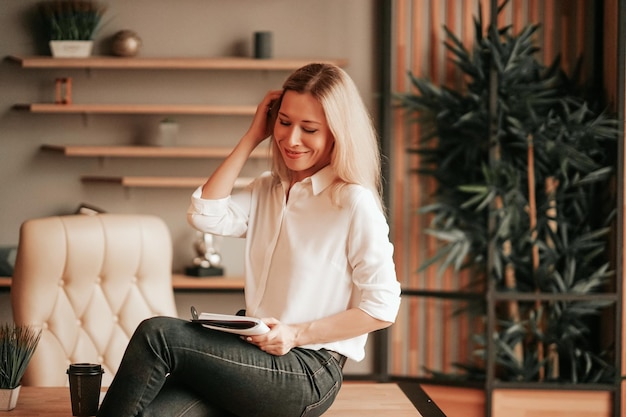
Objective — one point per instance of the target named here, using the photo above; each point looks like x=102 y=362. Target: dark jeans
x=176 y=368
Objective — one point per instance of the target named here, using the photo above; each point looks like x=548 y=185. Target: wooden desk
x=354 y=400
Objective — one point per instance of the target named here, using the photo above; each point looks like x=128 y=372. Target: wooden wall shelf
x=147 y=151
x=156 y=182
x=170 y=109
x=103 y=151
x=184 y=282
x=173 y=63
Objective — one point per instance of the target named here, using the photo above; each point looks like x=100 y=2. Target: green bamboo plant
x=17 y=345
x=71 y=20
x=523 y=198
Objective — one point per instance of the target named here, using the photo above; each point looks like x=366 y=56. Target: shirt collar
x=322 y=179
x=319 y=181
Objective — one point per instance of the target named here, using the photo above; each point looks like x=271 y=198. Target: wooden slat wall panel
x=611 y=34
x=427 y=335
x=397 y=173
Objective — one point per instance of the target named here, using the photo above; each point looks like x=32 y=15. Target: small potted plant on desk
x=70 y=26
x=17 y=345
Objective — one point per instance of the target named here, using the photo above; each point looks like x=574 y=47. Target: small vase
x=8 y=398
x=126 y=43
x=168 y=132
x=71 y=49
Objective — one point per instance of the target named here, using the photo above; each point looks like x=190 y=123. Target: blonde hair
x=355 y=157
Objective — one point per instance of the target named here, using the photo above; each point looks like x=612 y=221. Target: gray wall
x=37 y=184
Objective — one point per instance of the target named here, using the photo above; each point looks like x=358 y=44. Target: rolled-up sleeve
x=225 y=217
x=371 y=256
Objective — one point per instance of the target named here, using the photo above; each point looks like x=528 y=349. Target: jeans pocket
x=318 y=408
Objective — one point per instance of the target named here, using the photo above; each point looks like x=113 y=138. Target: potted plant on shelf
x=70 y=25
x=17 y=345
x=524 y=200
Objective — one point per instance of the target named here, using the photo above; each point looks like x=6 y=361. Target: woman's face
x=302 y=134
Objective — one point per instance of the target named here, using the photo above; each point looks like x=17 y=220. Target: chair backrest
x=87 y=282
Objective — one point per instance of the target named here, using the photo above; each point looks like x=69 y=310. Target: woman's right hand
x=221 y=182
x=260 y=129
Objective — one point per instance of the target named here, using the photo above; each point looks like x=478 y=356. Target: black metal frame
x=621 y=111
x=384 y=13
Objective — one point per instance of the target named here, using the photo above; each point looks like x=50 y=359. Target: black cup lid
x=85 y=369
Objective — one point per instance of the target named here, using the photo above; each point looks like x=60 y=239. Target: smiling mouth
x=294 y=154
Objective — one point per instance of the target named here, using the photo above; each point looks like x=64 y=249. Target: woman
x=318 y=267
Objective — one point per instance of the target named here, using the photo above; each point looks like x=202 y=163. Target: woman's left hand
x=278 y=341
x=341 y=326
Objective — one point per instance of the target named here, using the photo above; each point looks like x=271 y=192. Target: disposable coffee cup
x=85 y=382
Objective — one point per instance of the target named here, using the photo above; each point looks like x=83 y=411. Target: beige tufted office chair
x=88 y=281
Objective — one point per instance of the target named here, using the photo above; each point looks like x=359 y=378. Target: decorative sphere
x=126 y=43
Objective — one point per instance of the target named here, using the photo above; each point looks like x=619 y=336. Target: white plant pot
x=71 y=49
x=8 y=398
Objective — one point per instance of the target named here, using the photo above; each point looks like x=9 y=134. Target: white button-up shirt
x=308 y=257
